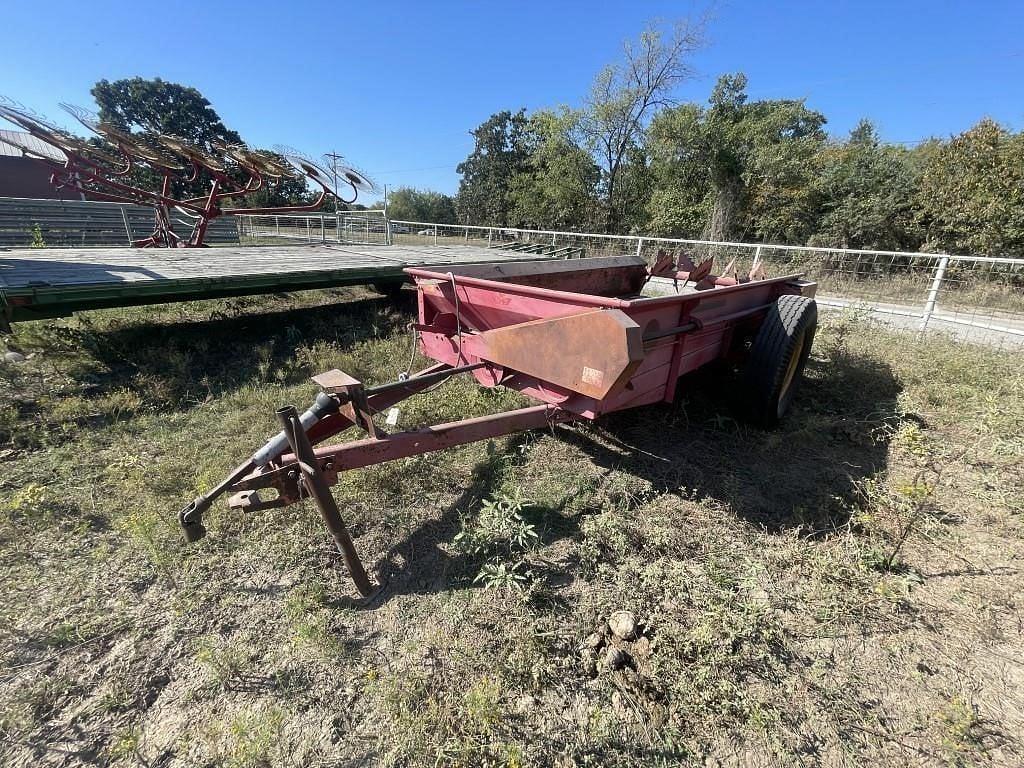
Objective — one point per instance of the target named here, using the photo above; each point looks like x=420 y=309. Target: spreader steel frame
x=576 y=336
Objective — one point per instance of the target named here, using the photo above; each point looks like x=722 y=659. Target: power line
x=412 y=170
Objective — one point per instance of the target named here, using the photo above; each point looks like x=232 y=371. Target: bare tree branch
x=623 y=97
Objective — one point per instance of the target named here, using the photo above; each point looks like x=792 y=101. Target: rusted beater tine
x=318 y=490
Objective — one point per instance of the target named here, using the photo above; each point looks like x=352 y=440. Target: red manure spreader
x=577 y=336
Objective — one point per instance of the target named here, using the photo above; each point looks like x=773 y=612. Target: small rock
x=594 y=640
x=642 y=647
x=589 y=663
x=623 y=625
x=616 y=658
x=14 y=357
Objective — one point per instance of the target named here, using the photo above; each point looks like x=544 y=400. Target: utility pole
x=335 y=157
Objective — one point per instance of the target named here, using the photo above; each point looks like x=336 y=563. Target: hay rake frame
x=102 y=168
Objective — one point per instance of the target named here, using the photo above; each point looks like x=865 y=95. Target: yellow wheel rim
x=794 y=363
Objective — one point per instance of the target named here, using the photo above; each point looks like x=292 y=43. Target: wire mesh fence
x=967 y=297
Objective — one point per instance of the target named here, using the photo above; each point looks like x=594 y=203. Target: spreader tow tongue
x=191 y=517
x=278 y=444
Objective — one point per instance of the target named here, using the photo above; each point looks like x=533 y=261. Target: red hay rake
x=102 y=167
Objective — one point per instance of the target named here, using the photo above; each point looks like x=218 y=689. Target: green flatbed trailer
x=37 y=283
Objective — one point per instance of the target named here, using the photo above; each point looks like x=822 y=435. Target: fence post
x=435 y=234
x=337 y=225
x=467 y=234
x=309 y=231
x=323 y=229
x=639 y=247
x=490 y=234
x=127 y=226
x=277 y=225
x=367 y=229
x=387 y=230
x=933 y=292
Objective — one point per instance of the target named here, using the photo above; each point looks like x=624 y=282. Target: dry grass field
x=843 y=591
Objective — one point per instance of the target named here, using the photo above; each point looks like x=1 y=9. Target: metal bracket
x=357 y=409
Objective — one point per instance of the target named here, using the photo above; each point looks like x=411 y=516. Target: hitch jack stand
x=317 y=489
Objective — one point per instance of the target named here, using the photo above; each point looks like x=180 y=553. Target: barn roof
x=10 y=141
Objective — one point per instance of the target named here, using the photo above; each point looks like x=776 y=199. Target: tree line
x=632 y=161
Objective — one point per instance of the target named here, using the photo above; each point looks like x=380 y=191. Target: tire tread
x=771 y=351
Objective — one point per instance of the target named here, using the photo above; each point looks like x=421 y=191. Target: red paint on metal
x=579 y=354
x=363 y=453
x=489 y=309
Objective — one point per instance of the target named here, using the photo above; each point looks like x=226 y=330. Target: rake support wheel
x=777 y=359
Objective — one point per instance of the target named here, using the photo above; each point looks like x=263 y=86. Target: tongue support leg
x=316 y=486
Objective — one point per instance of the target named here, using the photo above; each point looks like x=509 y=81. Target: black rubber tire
x=777 y=359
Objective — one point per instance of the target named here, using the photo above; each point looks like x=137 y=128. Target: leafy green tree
x=745 y=166
x=622 y=100
x=972 y=193
x=157 y=105
x=500 y=152
x=867 y=193
x=557 y=189
x=635 y=186
x=408 y=204
x=680 y=200
x=761 y=162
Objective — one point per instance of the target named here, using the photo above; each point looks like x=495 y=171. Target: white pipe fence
x=980 y=298
x=360 y=227
x=977 y=297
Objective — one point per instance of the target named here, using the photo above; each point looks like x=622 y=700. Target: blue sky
x=396 y=87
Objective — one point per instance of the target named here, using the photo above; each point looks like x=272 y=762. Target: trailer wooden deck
x=53 y=282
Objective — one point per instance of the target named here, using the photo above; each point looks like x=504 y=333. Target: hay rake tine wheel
x=308 y=168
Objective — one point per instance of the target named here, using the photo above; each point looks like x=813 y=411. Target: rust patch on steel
x=593 y=353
